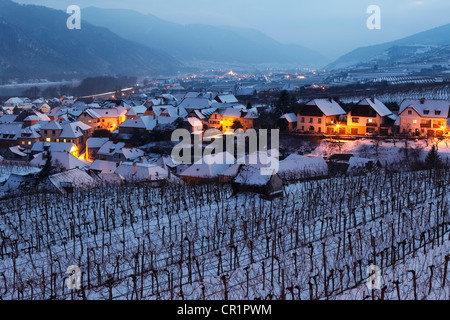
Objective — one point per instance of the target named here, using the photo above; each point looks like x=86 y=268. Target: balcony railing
x=372 y=124
x=425 y=125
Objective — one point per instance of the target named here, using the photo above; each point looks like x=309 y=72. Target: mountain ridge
x=414 y=48
x=38 y=44
x=201 y=42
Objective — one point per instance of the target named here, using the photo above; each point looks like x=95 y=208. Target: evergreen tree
x=433 y=159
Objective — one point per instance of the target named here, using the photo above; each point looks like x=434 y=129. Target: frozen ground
x=181 y=242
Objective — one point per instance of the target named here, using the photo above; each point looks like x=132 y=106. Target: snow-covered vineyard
x=437 y=92
x=185 y=242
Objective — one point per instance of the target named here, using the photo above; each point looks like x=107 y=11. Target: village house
x=249 y=179
x=73 y=132
x=226 y=119
x=93 y=145
x=193 y=125
x=424 y=117
x=118 y=152
x=370 y=116
x=226 y=98
x=28 y=137
x=68 y=182
x=104 y=119
x=61 y=160
x=139 y=172
x=206 y=169
x=136 y=112
x=15 y=153
x=321 y=116
x=143 y=125
x=10 y=134
x=40 y=147
x=288 y=122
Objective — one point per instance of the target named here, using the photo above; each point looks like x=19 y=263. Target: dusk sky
x=329 y=26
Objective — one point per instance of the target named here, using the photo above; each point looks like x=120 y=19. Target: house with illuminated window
x=104 y=118
x=28 y=137
x=424 y=117
x=227 y=119
x=9 y=134
x=74 y=132
x=370 y=116
x=321 y=116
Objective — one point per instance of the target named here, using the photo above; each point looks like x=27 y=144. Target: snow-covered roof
x=75 y=178
x=194 y=122
x=52 y=125
x=429 y=108
x=329 y=108
x=37 y=116
x=141 y=171
x=232 y=113
x=96 y=142
x=59 y=159
x=73 y=130
x=137 y=110
x=106 y=112
x=249 y=176
x=376 y=105
x=110 y=178
x=52 y=147
x=17 y=150
x=132 y=153
x=14 y=100
x=147 y=122
x=172 y=111
x=227 y=98
x=8 y=118
x=290 y=117
x=110 y=148
x=30 y=133
x=195 y=103
x=206 y=168
x=104 y=166
x=10 y=131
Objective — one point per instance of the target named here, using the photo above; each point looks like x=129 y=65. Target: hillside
x=432 y=46
x=37 y=43
x=198 y=42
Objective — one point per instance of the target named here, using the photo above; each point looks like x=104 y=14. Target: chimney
x=329 y=99
x=373 y=99
x=134 y=168
x=422 y=101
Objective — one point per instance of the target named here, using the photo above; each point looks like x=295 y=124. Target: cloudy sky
x=333 y=27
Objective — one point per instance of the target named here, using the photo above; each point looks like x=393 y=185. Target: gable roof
x=141 y=171
x=376 y=105
x=52 y=125
x=75 y=178
x=328 y=108
x=96 y=142
x=290 y=117
x=147 y=122
x=442 y=106
x=205 y=168
x=73 y=130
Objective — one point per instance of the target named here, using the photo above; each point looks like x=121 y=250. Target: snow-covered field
x=389 y=152
x=182 y=242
